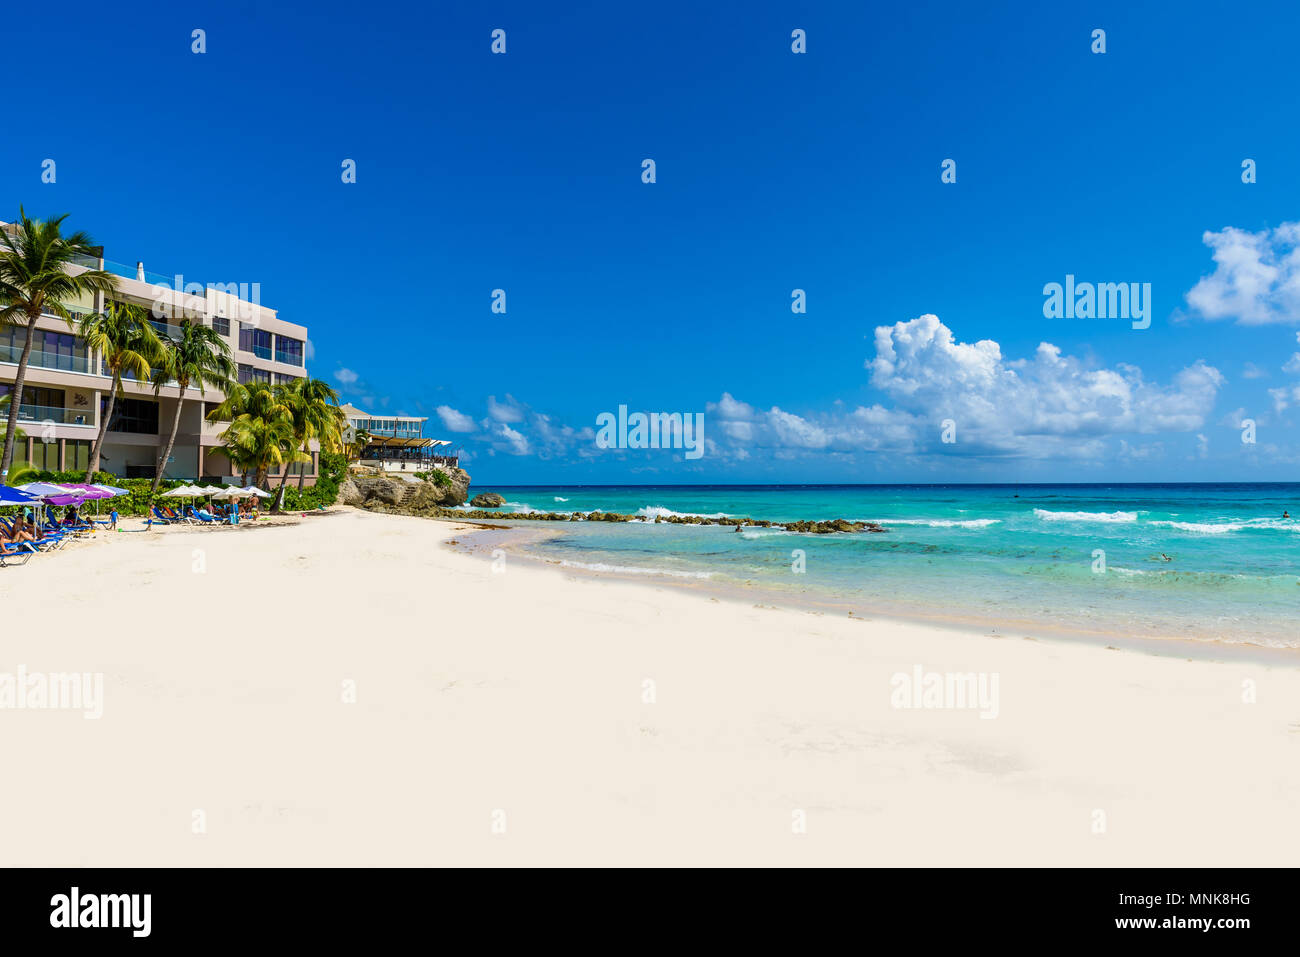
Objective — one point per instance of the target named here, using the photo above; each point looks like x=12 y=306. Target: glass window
x=249 y=374
x=138 y=416
x=221 y=324
x=254 y=340
x=288 y=350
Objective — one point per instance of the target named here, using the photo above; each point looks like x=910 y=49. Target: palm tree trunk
x=171 y=440
x=260 y=475
x=303 y=474
x=17 y=399
x=92 y=466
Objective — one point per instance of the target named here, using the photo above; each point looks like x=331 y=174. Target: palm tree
x=360 y=440
x=35 y=279
x=198 y=355
x=123 y=335
x=5 y=399
x=312 y=405
x=261 y=444
x=249 y=402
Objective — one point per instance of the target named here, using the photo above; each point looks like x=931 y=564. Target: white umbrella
x=254 y=490
x=184 y=491
x=210 y=490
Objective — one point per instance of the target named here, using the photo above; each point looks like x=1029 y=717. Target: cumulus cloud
x=506 y=411
x=1046 y=405
x=346 y=376
x=1256 y=279
x=516 y=443
x=454 y=421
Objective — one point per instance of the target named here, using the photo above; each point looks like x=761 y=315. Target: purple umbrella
x=86 y=491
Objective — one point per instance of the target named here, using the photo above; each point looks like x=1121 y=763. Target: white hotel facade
x=66 y=389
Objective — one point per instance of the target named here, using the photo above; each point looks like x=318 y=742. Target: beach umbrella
x=183 y=491
x=42 y=489
x=211 y=490
x=14 y=496
x=112 y=489
x=254 y=490
x=86 y=491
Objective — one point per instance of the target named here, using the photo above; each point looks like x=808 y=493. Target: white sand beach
x=499 y=720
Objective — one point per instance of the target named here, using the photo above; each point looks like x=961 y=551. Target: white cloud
x=507 y=411
x=517 y=444
x=454 y=421
x=1049 y=405
x=1256 y=279
x=346 y=376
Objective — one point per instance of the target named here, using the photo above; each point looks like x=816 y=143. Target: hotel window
x=254 y=340
x=284 y=378
x=45 y=455
x=249 y=374
x=36 y=396
x=50 y=350
x=288 y=351
x=76 y=455
x=136 y=416
x=221 y=324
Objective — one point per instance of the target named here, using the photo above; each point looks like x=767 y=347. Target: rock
x=400 y=495
x=487 y=500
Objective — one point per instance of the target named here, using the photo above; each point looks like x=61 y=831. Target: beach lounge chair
x=8 y=552
x=160 y=519
x=201 y=517
x=47 y=542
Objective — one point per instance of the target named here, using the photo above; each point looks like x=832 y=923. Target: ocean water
x=1073 y=558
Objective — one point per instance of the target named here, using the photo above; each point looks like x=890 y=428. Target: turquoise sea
x=1070 y=558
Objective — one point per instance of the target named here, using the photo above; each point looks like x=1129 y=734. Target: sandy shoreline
x=516 y=697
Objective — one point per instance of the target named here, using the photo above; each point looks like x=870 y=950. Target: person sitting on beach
x=70 y=516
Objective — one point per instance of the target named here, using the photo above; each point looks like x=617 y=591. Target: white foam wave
x=558 y=499
x=1221 y=528
x=1049 y=516
x=941 y=522
x=633 y=570
x=651 y=512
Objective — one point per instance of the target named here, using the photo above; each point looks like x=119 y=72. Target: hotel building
x=397 y=444
x=66 y=392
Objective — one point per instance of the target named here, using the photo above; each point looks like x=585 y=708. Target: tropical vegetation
x=124 y=337
x=36 y=279
x=197 y=355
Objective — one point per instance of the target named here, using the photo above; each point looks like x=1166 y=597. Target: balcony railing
x=288 y=358
x=48 y=413
x=45 y=360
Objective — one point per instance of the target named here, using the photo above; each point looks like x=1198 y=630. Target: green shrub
x=436 y=476
x=333 y=468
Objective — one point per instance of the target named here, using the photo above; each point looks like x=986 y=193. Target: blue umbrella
x=13 y=496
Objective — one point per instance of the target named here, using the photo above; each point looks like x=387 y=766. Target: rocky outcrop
x=416 y=496
x=487 y=500
x=834 y=526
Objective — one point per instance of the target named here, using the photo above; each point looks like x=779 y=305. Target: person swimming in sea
x=1285 y=513
x=1165 y=558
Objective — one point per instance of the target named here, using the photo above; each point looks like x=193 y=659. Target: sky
x=925 y=353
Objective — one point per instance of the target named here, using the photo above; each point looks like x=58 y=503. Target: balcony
x=46 y=413
x=45 y=360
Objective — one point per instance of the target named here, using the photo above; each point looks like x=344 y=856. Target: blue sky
x=775 y=171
